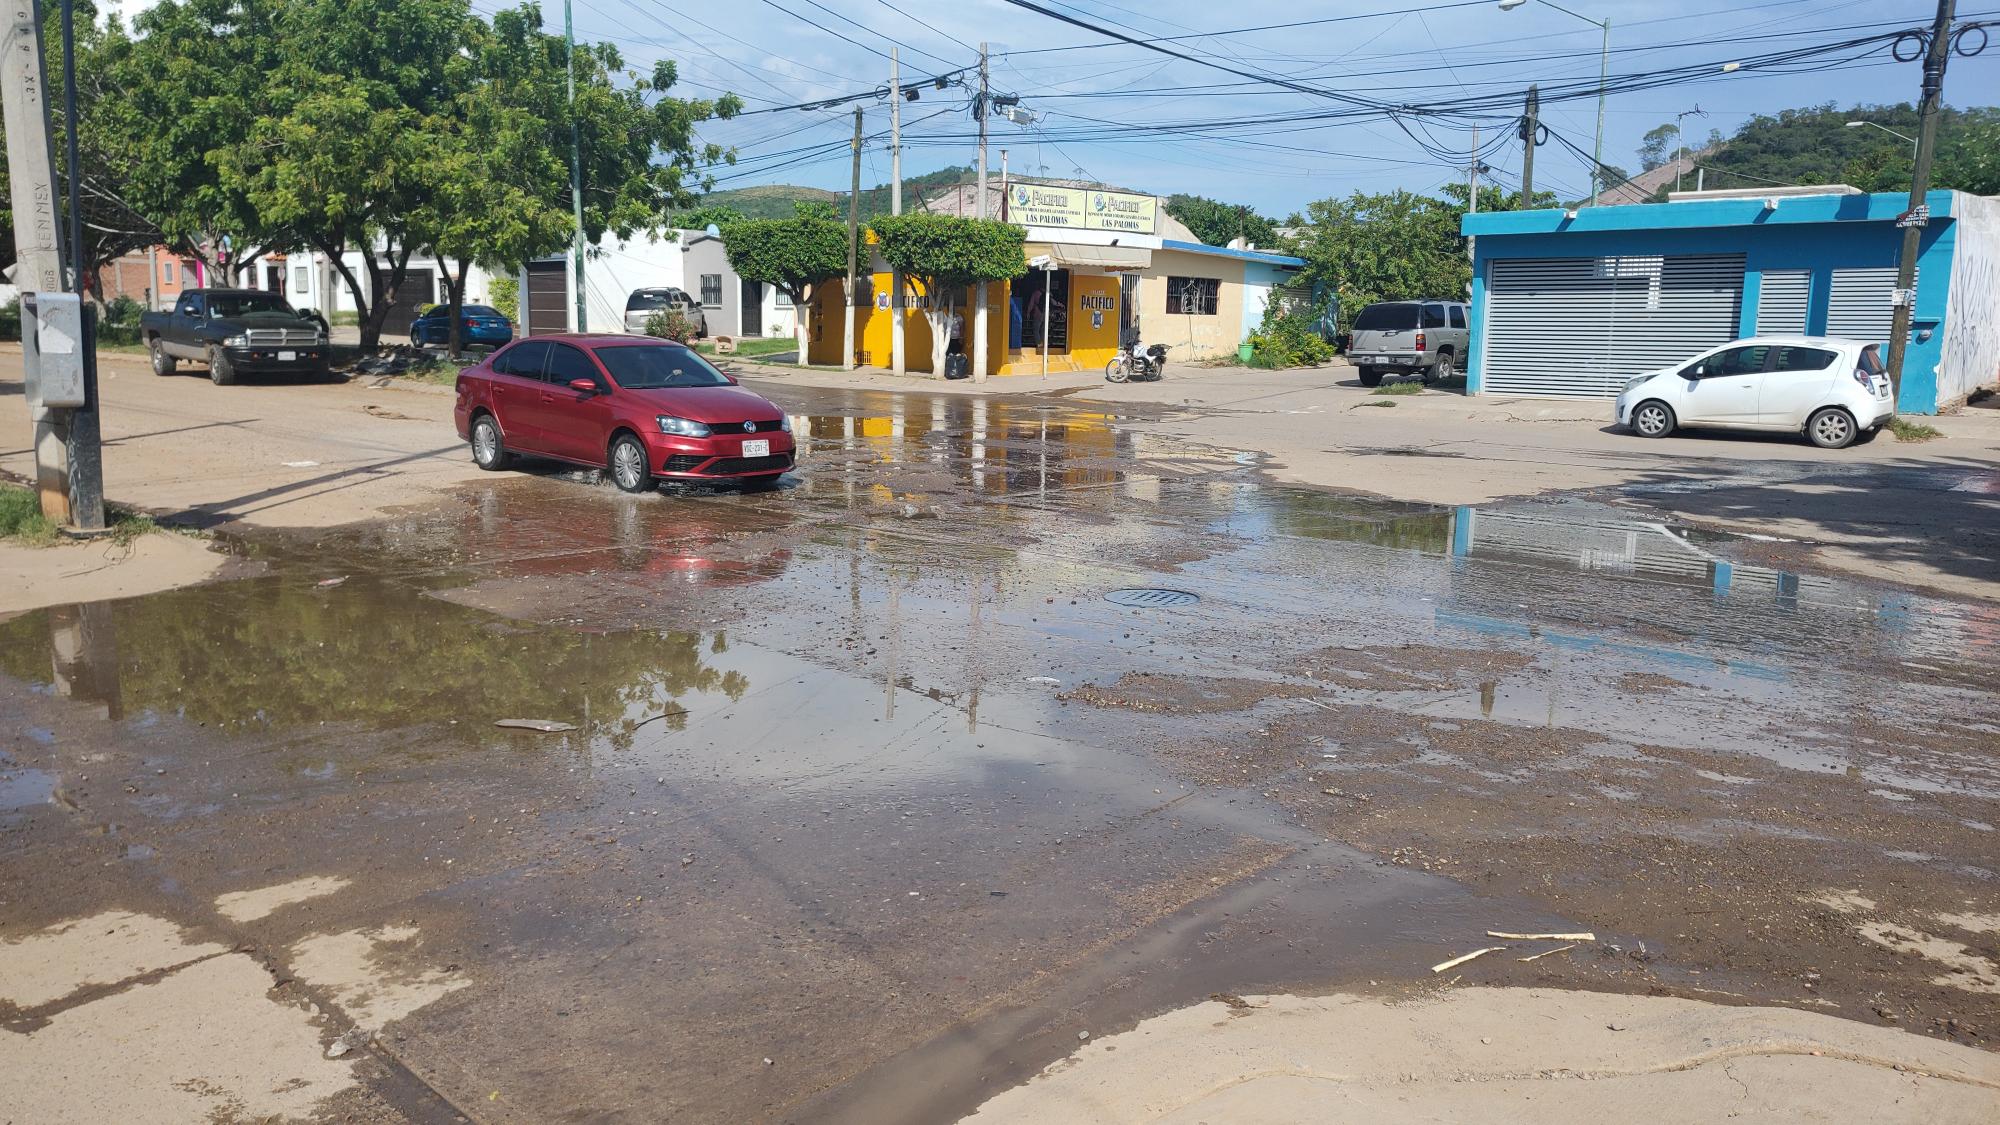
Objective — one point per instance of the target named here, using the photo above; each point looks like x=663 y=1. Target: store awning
x=1110 y=259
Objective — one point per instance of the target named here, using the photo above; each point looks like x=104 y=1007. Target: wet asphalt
x=881 y=789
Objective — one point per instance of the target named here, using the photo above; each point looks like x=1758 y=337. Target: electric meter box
x=52 y=345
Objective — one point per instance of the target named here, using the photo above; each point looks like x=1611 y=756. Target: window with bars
x=1194 y=296
x=711 y=290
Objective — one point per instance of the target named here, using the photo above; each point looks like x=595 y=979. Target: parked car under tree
x=236 y=332
x=480 y=326
x=1424 y=338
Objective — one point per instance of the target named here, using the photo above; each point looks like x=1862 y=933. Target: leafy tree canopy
x=1217 y=223
x=946 y=252
x=1815 y=146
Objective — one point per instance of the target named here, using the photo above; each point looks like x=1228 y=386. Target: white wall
x=1970 y=357
x=327 y=291
x=614 y=268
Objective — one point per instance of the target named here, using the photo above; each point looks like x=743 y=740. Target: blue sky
x=766 y=52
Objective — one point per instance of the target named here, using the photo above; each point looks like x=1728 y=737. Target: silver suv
x=1426 y=338
x=643 y=303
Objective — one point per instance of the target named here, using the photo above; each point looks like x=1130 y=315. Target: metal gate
x=1584 y=326
x=419 y=288
x=1857 y=304
x=752 y=300
x=1781 y=305
x=546 y=303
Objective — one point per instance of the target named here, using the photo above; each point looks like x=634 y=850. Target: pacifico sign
x=1037 y=205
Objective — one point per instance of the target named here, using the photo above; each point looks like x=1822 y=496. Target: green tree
x=1655 y=146
x=187 y=78
x=1388 y=247
x=943 y=255
x=797 y=255
x=707 y=215
x=1217 y=223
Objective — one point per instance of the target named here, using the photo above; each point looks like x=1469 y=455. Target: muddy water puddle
x=869 y=777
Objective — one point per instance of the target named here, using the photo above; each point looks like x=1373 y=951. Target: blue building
x=1574 y=303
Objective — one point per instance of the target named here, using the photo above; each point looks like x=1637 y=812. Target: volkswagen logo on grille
x=749 y=427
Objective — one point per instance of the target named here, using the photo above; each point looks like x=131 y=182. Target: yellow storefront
x=1085 y=250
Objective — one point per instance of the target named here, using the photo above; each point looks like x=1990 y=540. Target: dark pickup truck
x=235 y=332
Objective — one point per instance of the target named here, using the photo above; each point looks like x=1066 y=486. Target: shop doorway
x=1029 y=303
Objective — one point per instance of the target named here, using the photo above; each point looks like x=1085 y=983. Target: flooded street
x=1004 y=721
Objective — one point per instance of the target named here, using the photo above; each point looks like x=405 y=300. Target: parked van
x=1426 y=338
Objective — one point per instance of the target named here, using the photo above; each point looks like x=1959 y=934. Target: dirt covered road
x=1008 y=725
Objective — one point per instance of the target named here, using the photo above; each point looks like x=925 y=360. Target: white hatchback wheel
x=1831 y=428
x=1652 y=419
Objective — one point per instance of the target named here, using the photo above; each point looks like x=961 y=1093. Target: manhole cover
x=1152 y=599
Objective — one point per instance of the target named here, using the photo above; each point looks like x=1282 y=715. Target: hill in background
x=774 y=201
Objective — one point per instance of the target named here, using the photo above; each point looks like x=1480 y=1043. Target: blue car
x=483 y=327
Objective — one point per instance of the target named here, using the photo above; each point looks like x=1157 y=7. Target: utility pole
x=1472 y=190
x=38 y=248
x=1530 y=125
x=853 y=236
x=86 y=466
x=1914 y=220
x=899 y=361
x=575 y=170
x=1680 y=143
x=979 y=312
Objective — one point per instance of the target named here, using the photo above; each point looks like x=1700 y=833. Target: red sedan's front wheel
x=627 y=465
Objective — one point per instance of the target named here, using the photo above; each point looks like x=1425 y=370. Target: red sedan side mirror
x=583 y=386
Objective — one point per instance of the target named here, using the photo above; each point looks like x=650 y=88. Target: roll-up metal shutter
x=1781 y=306
x=546 y=302
x=1583 y=326
x=1857 y=304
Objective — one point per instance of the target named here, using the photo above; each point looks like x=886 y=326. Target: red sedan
x=639 y=408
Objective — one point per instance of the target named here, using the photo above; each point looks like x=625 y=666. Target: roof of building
x=1761 y=210
x=1264 y=256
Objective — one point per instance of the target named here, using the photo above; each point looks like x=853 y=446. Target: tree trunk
x=362 y=304
x=802 y=310
x=940 y=318
x=456 y=341
x=385 y=294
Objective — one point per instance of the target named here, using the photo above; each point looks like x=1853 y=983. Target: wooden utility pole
x=1914 y=220
x=978 y=325
x=1530 y=125
x=898 y=347
x=853 y=240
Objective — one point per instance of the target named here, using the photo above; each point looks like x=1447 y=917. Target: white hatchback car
x=1833 y=391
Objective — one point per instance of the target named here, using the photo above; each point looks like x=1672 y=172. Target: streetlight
x=1603 y=72
x=1912 y=140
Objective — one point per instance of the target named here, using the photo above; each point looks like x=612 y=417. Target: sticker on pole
x=1918 y=216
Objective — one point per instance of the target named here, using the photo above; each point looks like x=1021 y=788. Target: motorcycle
x=1137 y=364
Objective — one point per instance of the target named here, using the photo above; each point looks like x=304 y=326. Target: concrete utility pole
x=899 y=360
x=38 y=245
x=1680 y=143
x=979 y=311
x=1530 y=125
x=1472 y=190
x=86 y=466
x=1915 y=219
x=853 y=236
x=575 y=171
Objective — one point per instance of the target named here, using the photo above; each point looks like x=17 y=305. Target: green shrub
x=123 y=310
x=1287 y=339
x=671 y=324
x=504 y=294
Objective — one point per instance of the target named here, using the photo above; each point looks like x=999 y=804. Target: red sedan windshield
x=647 y=367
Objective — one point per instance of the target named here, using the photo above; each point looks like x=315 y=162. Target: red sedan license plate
x=758 y=448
